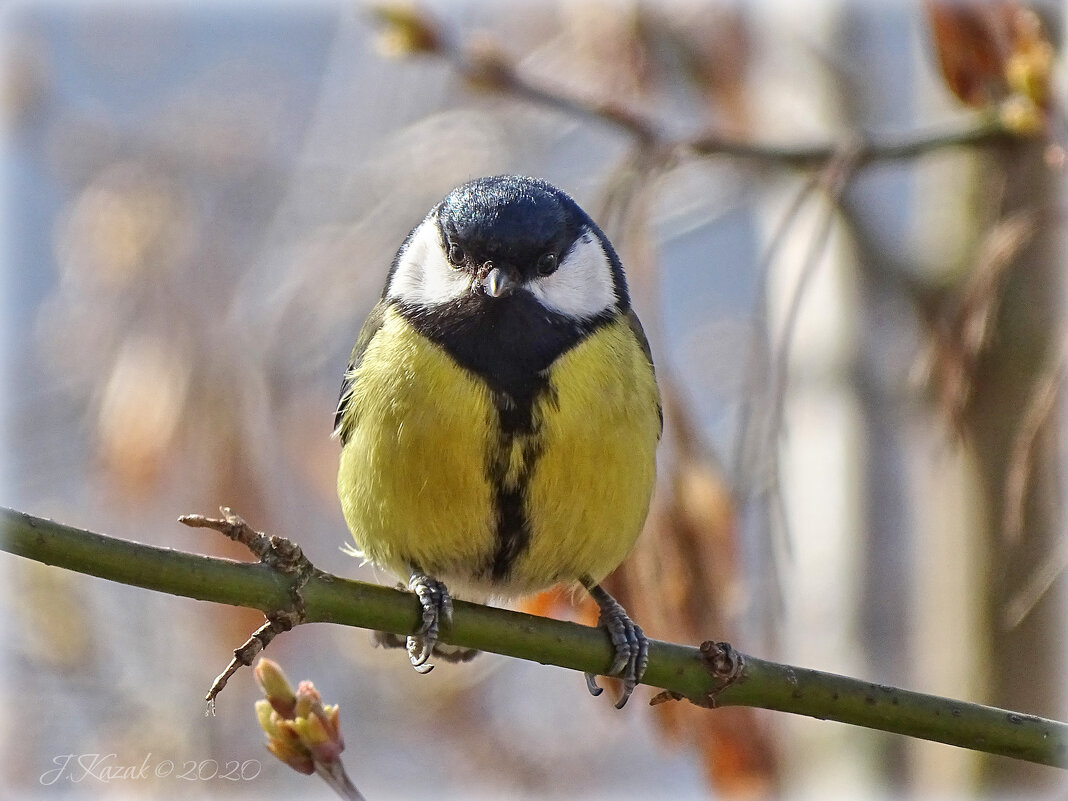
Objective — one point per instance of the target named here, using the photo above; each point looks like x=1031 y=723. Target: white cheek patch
x=424 y=276
x=582 y=285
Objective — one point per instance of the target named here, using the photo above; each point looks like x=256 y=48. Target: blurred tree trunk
x=1025 y=661
x=875 y=209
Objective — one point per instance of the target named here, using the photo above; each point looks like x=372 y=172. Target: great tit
x=499 y=416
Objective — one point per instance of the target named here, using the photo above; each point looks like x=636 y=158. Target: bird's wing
x=643 y=342
x=371 y=326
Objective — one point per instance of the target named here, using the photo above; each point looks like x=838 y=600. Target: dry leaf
x=995 y=55
x=971 y=41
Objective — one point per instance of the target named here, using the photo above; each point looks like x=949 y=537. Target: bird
x=500 y=415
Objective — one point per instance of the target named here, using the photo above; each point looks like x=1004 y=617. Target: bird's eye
x=547 y=264
x=456 y=254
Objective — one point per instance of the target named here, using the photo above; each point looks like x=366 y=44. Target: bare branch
x=714 y=675
x=486 y=66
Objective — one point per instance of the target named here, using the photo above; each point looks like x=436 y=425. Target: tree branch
x=712 y=675
x=485 y=65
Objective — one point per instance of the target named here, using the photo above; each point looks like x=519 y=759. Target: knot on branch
x=724 y=664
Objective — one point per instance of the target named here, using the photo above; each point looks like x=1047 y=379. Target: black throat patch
x=510 y=343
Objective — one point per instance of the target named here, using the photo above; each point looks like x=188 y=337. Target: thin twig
x=339 y=781
x=961 y=333
x=277 y=623
x=1021 y=461
x=833 y=180
x=755 y=451
x=486 y=66
x=277 y=553
x=1021 y=468
x=868 y=149
x=1036 y=586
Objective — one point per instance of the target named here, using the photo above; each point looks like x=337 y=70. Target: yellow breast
x=425 y=461
x=411 y=479
x=589 y=492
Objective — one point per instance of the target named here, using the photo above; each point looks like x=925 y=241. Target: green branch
x=712 y=675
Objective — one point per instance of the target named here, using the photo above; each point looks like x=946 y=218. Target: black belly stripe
x=513 y=531
x=510 y=343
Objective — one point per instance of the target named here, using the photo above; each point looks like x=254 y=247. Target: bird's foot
x=628 y=640
x=437 y=610
x=447 y=653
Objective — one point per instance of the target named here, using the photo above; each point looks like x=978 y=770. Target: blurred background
x=857 y=328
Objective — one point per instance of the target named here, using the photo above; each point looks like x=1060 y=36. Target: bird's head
x=500 y=237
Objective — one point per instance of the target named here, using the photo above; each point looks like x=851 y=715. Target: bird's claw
x=591 y=685
x=629 y=642
x=437 y=610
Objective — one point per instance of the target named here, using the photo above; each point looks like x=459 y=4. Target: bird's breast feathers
x=436 y=474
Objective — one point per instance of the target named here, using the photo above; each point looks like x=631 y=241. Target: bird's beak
x=500 y=282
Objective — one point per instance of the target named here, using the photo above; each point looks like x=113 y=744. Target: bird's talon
x=418 y=652
x=591 y=685
x=628 y=641
x=436 y=602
